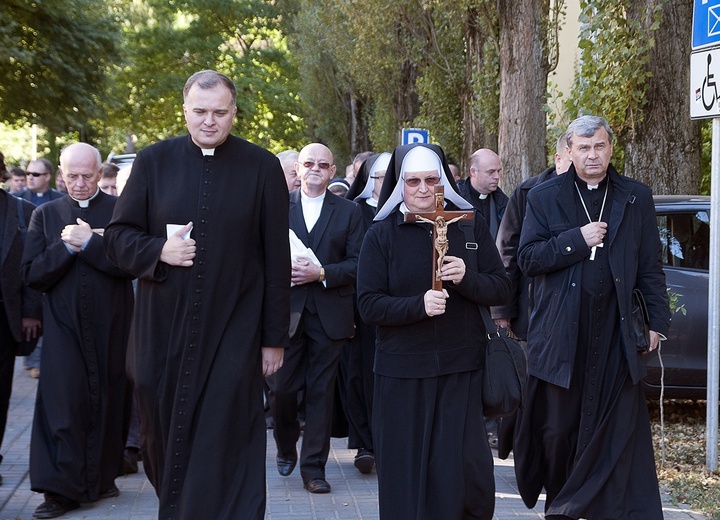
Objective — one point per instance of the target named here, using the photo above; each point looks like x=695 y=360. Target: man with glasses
x=321 y=305
x=38 y=176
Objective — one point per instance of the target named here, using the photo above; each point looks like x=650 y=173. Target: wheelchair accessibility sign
x=705 y=84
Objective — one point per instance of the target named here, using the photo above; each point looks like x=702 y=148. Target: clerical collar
x=582 y=184
x=483 y=196
x=85 y=203
x=208 y=151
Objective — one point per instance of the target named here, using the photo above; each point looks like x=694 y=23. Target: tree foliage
x=53 y=59
x=612 y=78
x=166 y=42
x=349 y=74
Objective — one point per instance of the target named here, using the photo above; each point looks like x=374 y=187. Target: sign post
x=704 y=103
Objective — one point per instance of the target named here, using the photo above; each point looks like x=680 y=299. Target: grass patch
x=683 y=475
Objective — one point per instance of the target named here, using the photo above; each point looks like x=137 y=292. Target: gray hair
x=207 y=79
x=586 y=126
x=562 y=142
x=288 y=155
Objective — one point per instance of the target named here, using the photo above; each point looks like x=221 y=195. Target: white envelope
x=171 y=229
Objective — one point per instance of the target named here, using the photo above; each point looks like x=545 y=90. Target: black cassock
x=195 y=350
x=77 y=441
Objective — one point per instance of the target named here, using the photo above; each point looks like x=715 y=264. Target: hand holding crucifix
x=440 y=219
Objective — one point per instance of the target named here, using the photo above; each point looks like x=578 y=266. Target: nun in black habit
x=361 y=354
x=428 y=427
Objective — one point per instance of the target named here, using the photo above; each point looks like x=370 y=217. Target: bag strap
x=467 y=228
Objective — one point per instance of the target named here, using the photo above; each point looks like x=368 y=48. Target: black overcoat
x=508 y=239
x=552 y=250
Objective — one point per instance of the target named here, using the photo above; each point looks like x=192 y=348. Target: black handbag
x=640 y=321
x=505 y=373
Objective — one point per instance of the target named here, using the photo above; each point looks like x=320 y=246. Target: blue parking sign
x=416 y=135
x=706 y=23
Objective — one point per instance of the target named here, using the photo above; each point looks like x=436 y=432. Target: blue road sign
x=706 y=23
x=418 y=135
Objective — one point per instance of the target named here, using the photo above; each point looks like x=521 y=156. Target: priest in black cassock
x=589 y=238
x=481 y=188
x=428 y=425
x=202 y=223
x=76 y=448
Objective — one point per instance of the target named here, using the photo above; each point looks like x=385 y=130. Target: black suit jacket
x=18 y=300
x=337 y=239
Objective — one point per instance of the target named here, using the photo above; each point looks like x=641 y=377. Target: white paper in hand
x=171 y=229
x=298 y=251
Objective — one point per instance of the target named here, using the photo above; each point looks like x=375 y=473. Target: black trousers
x=311 y=363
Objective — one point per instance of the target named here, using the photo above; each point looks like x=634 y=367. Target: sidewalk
x=354 y=496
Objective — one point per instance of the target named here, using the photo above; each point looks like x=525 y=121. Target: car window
x=685 y=239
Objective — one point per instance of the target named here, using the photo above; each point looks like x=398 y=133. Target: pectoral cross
x=593 y=249
x=439 y=220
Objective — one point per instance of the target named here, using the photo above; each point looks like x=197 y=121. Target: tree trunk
x=524 y=70
x=408 y=104
x=475 y=133
x=359 y=140
x=665 y=150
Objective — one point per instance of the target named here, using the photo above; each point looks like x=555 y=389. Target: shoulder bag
x=640 y=321
x=505 y=373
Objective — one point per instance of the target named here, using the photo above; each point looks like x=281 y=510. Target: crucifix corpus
x=440 y=219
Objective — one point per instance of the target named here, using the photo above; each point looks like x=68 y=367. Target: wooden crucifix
x=440 y=219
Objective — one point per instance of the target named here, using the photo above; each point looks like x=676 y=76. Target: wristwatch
x=322 y=275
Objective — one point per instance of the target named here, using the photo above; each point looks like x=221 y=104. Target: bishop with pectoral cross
x=440 y=220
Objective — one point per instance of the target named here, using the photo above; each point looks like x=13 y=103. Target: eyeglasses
x=414 y=182
x=381 y=177
x=36 y=174
x=320 y=164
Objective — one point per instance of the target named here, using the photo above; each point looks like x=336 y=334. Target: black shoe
x=286 y=465
x=54 y=506
x=492 y=440
x=110 y=493
x=317 y=485
x=130 y=460
x=364 y=460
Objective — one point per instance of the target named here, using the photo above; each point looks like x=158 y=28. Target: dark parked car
x=684 y=225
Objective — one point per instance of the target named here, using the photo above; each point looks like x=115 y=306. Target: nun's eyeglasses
x=414 y=182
